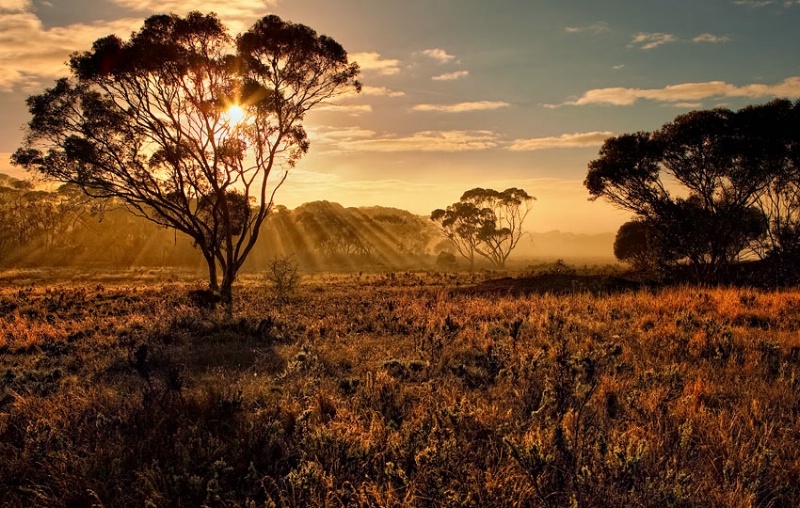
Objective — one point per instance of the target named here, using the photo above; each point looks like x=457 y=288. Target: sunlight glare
x=235 y=114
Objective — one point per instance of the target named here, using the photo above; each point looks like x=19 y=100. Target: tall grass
x=394 y=390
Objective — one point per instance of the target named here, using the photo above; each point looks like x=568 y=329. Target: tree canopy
x=485 y=222
x=710 y=185
x=186 y=124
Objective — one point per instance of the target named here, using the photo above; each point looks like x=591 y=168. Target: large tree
x=186 y=124
x=485 y=222
x=702 y=182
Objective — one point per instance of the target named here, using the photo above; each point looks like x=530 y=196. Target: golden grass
x=392 y=390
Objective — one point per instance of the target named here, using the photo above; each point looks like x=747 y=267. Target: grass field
x=395 y=390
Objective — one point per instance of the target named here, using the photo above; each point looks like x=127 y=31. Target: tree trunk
x=213 y=285
x=226 y=290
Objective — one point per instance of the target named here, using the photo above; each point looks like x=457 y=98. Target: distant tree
x=485 y=222
x=446 y=261
x=634 y=244
x=720 y=161
x=186 y=125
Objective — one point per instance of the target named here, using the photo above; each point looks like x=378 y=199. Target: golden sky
x=464 y=93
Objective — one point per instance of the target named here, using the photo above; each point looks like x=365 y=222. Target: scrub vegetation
x=396 y=389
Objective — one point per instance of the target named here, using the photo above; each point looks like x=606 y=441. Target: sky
x=463 y=93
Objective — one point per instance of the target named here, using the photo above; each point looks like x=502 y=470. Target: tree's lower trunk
x=213 y=285
x=226 y=290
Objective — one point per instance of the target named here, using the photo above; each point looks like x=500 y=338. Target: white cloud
x=372 y=61
x=576 y=140
x=596 y=28
x=651 y=40
x=688 y=92
x=618 y=67
x=354 y=139
x=753 y=3
x=226 y=9
x=439 y=55
x=380 y=91
x=29 y=53
x=462 y=107
x=349 y=109
x=712 y=38
x=450 y=76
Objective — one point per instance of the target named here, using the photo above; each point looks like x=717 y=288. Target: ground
x=408 y=389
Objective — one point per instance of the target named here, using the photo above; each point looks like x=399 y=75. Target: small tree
x=486 y=222
x=186 y=125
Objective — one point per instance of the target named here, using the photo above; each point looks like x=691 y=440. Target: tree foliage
x=485 y=222
x=710 y=185
x=147 y=121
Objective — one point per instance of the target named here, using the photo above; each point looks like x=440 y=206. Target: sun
x=235 y=114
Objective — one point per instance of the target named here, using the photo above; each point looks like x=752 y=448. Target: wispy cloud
x=712 y=38
x=371 y=61
x=439 y=55
x=576 y=140
x=753 y=3
x=31 y=53
x=651 y=40
x=226 y=9
x=14 y=5
x=380 y=91
x=687 y=92
x=337 y=140
x=451 y=76
x=596 y=28
x=348 y=109
x=462 y=107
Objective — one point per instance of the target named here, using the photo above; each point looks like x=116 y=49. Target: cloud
x=595 y=29
x=753 y=3
x=576 y=140
x=450 y=76
x=349 y=109
x=14 y=5
x=226 y=9
x=380 y=91
x=439 y=55
x=462 y=107
x=712 y=38
x=687 y=92
x=651 y=40
x=337 y=140
x=372 y=61
x=29 y=53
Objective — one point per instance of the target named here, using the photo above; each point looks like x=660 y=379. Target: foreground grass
x=394 y=390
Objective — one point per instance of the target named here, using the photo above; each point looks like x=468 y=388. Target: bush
x=284 y=275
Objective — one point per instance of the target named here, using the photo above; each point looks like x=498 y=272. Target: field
x=389 y=390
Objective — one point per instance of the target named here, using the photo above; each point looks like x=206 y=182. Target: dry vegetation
x=397 y=390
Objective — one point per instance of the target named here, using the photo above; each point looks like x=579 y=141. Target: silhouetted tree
x=486 y=222
x=721 y=161
x=634 y=244
x=147 y=121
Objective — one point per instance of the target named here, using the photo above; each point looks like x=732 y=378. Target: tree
x=186 y=125
x=486 y=222
x=722 y=164
x=634 y=244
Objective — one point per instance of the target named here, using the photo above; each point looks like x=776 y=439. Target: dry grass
x=394 y=390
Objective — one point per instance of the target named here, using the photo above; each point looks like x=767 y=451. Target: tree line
x=63 y=227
